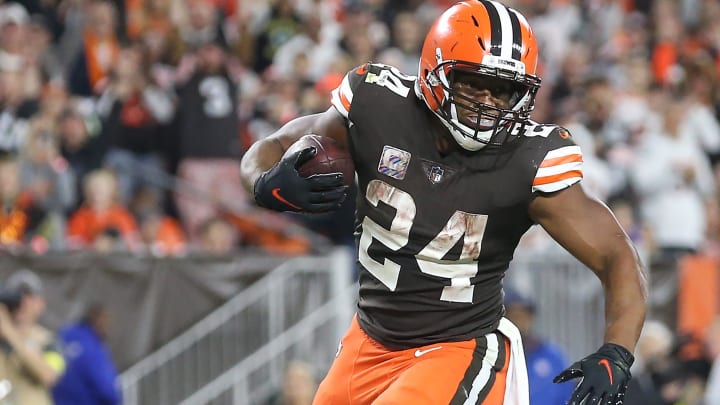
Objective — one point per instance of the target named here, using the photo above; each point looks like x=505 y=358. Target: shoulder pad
x=376 y=74
x=562 y=163
x=342 y=96
x=533 y=129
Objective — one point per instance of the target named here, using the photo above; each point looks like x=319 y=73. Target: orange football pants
x=470 y=372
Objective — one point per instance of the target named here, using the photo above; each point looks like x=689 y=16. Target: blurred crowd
x=40 y=367
x=122 y=122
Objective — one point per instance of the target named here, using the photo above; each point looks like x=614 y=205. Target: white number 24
x=470 y=227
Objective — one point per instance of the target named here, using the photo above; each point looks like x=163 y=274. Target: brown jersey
x=437 y=231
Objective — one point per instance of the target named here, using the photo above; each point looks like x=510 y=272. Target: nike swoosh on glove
x=282 y=188
x=604 y=376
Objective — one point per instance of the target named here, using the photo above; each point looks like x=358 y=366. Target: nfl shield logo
x=436 y=174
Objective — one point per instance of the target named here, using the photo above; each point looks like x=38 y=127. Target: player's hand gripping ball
x=329 y=158
x=312 y=176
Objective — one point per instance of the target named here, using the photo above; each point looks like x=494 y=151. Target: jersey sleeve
x=342 y=96
x=562 y=165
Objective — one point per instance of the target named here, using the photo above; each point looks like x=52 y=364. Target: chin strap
x=464 y=141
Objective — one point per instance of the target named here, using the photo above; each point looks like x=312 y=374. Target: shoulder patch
x=394 y=162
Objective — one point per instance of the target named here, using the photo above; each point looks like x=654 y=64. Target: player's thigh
x=335 y=388
x=454 y=376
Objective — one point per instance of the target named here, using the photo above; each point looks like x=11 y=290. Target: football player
x=451 y=172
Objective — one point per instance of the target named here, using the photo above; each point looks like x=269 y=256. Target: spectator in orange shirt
x=101 y=212
x=162 y=235
x=20 y=219
x=217 y=237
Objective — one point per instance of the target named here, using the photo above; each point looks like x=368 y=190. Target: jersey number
x=461 y=225
x=390 y=78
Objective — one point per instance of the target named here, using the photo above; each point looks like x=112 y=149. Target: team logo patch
x=394 y=162
x=436 y=172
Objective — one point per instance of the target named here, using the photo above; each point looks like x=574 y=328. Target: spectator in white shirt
x=672 y=177
x=318 y=44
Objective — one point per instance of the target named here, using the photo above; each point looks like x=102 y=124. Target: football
x=329 y=158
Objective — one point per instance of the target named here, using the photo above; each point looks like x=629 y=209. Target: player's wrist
x=258 y=187
x=617 y=353
x=274 y=177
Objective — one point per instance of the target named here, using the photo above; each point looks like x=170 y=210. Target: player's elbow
x=623 y=264
x=636 y=272
x=259 y=157
x=641 y=273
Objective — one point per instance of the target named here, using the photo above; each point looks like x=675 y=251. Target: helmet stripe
x=496 y=31
x=506 y=30
x=517 y=35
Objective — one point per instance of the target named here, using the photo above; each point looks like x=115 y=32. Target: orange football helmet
x=485 y=38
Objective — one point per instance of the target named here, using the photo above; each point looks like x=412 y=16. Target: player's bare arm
x=588 y=230
x=272 y=175
x=263 y=154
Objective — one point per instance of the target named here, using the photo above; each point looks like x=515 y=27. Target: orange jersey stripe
x=561 y=160
x=558 y=177
x=345 y=102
